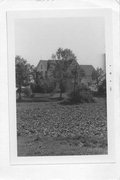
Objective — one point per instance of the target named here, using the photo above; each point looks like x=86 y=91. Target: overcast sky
x=37 y=39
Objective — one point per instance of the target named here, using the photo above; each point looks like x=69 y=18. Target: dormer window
x=41 y=66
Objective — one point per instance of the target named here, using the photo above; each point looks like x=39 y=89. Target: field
x=53 y=128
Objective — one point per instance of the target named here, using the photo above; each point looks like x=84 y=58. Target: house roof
x=72 y=65
x=47 y=63
x=43 y=62
x=88 y=69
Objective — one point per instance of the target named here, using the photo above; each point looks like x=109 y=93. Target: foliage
x=102 y=88
x=100 y=77
x=63 y=57
x=27 y=91
x=44 y=86
x=23 y=73
x=60 y=75
x=97 y=75
x=81 y=94
x=37 y=89
x=64 y=54
x=50 y=86
x=38 y=77
x=77 y=74
x=39 y=85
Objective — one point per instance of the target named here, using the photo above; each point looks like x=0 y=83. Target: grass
x=51 y=128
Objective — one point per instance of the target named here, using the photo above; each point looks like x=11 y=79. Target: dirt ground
x=50 y=128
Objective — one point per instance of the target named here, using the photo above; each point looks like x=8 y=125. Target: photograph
x=60 y=79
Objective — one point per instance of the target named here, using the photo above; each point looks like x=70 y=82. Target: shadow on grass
x=69 y=102
x=41 y=99
x=85 y=140
x=61 y=101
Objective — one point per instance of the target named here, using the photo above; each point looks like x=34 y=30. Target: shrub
x=50 y=86
x=45 y=86
x=101 y=92
x=37 y=89
x=81 y=94
x=33 y=86
x=32 y=95
x=102 y=88
x=27 y=91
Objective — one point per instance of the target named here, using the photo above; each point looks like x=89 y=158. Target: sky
x=37 y=39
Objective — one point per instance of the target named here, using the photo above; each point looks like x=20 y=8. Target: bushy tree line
x=27 y=76
x=100 y=78
x=24 y=72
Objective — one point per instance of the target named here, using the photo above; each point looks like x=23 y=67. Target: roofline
x=39 y=62
x=60 y=60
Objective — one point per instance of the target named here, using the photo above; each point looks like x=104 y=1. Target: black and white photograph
x=59 y=97
x=61 y=86
x=59 y=90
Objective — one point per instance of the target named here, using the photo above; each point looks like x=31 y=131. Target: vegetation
x=63 y=59
x=100 y=78
x=97 y=75
x=62 y=71
x=102 y=88
x=77 y=74
x=49 y=128
x=27 y=91
x=23 y=72
x=81 y=94
x=63 y=54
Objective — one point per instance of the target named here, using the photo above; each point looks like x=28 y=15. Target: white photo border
x=49 y=13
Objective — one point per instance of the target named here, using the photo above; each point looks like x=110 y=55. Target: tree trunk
x=74 y=87
x=60 y=94
x=20 y=90
x=75 y=83
x=61 y=90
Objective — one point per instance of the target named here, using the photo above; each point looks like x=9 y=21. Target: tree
x=60 y=75
x=97 y=75
x=64 y=57
x=102 y=88
x=63 y=54
x=23 y=72
x=77 y=74
x=100 y=77
x=53 y=57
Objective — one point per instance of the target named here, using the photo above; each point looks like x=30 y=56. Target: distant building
x=46 y=67
x=42 y=67
x=88 y=70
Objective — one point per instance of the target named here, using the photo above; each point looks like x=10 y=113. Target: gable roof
x=72 y=65
x=49 y=62
x=43 y=62
x=88 y=69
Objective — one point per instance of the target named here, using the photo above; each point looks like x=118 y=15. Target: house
x=84 y=72
x=42 y=67
x=88 y=70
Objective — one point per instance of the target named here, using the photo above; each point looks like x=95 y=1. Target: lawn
x=52 y=128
